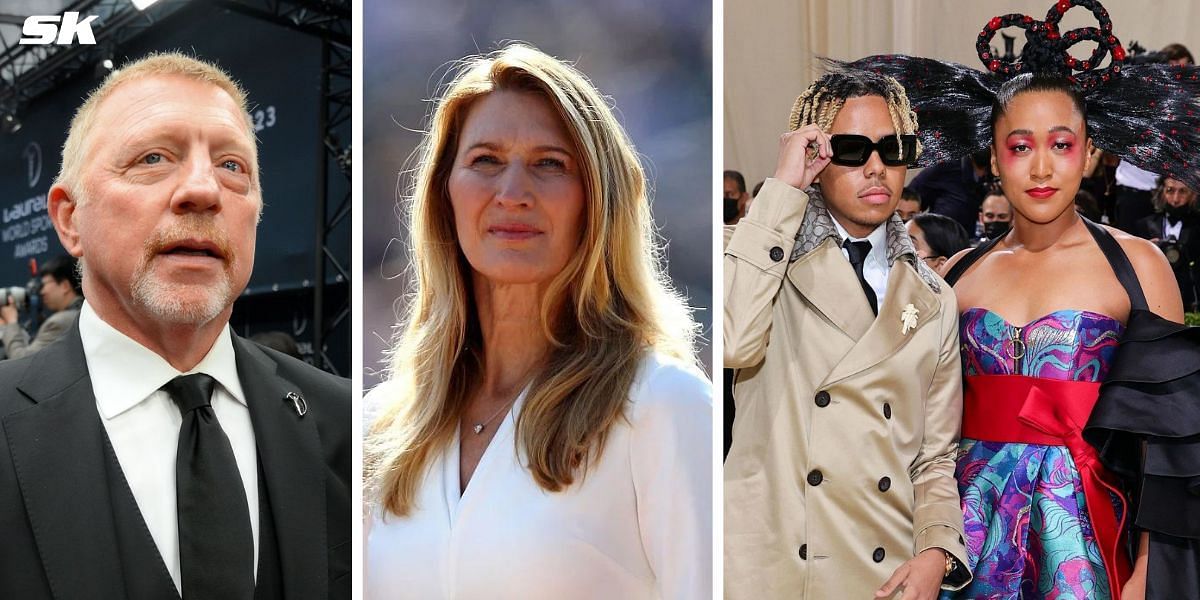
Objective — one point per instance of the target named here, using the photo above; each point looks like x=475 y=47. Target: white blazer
x=638 y=525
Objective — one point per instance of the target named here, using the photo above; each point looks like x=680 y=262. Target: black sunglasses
x=855 y=150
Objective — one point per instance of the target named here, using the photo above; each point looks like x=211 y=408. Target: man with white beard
x=152 y=453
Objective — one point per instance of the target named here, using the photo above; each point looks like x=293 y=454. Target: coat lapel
x=885 y=336
x=289 y=451
x=827 y=281
x=58 y=450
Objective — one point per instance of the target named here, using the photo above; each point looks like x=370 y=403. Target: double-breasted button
x=815 y=477
x=804 y=551
x=887 y=410
x=878 y=555
x=885 y=484
x=776 y=254
x=822 y=399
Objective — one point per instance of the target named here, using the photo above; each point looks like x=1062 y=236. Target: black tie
x=858 y=255
x=216 y=546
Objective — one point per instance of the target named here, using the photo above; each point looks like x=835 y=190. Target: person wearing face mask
x=735 y=196
x=1176 y=230
x=995 y=215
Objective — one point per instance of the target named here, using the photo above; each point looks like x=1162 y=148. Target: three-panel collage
x=632 y=300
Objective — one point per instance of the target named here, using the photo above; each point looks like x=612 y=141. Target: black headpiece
x=1148 y=114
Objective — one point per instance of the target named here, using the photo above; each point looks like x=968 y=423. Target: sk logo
x=43 y=29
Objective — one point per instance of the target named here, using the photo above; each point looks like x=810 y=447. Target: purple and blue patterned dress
x=1028 y=533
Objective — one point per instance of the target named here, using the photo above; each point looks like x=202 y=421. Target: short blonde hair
x=155 y=64
x=819 y=104
x=609 y=306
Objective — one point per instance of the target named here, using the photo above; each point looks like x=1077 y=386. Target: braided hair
x=1147 y=114
x=819 y=104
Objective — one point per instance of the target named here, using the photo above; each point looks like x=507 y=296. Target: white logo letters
x=42 y=29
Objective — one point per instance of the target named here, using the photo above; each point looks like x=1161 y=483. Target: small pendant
x=478 y=428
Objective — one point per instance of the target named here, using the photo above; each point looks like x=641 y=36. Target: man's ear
x=62 y=205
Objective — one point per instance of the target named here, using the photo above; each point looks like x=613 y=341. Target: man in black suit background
x=1175 y=227
x=152 y=453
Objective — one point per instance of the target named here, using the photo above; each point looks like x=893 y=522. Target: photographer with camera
x=61 y=294
x=1175 y=227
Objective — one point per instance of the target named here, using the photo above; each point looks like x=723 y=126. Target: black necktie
x=216 y=546
x=858 y=255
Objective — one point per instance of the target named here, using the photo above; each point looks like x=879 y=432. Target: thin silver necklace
x=479 y=427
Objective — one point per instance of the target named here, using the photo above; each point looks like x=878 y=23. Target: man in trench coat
x=840 y=479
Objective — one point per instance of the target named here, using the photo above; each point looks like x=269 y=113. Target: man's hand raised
x=803 y=154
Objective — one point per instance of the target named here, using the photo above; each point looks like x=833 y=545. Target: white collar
x=877 y=237
x=124 y=372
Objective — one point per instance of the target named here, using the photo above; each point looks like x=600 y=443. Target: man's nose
x=199 y=191
x=874 y=166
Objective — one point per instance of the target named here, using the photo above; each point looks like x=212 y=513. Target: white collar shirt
x=142 y=423
x=1172 y=230
x=1134 y=177
x=875 y=267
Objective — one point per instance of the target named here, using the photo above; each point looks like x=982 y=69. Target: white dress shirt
x=637 y=525
x=1134 y=177
x=875 y=267
x=143 y=422
x=1171 y=230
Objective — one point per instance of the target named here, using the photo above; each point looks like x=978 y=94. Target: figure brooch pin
x=908 y=319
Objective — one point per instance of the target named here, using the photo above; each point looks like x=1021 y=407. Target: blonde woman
x=543 y=433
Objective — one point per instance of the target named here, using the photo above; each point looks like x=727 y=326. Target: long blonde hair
x=611 y=303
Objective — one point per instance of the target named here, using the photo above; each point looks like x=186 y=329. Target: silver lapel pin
x=298 y=403
x=908 y=319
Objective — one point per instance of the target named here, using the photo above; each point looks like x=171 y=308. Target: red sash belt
x=1029 y=410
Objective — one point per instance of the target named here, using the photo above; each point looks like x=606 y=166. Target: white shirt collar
x=1172 y=229
x=124 y=372
x=878 y=239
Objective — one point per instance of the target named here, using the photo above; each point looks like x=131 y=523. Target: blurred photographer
x=61 y=294
x=1175 y=227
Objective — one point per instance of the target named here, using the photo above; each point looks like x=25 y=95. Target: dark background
x=280 y=68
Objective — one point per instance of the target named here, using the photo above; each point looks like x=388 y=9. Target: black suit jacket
x=1189 y=241
x=57 y=534
x=1152 y=227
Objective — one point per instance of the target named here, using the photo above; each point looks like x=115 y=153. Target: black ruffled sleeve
x=1146 y=427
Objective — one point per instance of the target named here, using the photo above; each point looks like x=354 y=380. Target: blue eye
x=232 y=166
x=553 y=163
x=153 y=158
x=485 y=159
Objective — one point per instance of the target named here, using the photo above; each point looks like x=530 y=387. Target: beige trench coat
x=846 y=428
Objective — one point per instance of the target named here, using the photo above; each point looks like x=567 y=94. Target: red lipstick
x=1041 y=193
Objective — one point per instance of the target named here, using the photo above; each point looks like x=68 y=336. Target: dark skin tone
x=1049 y=261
